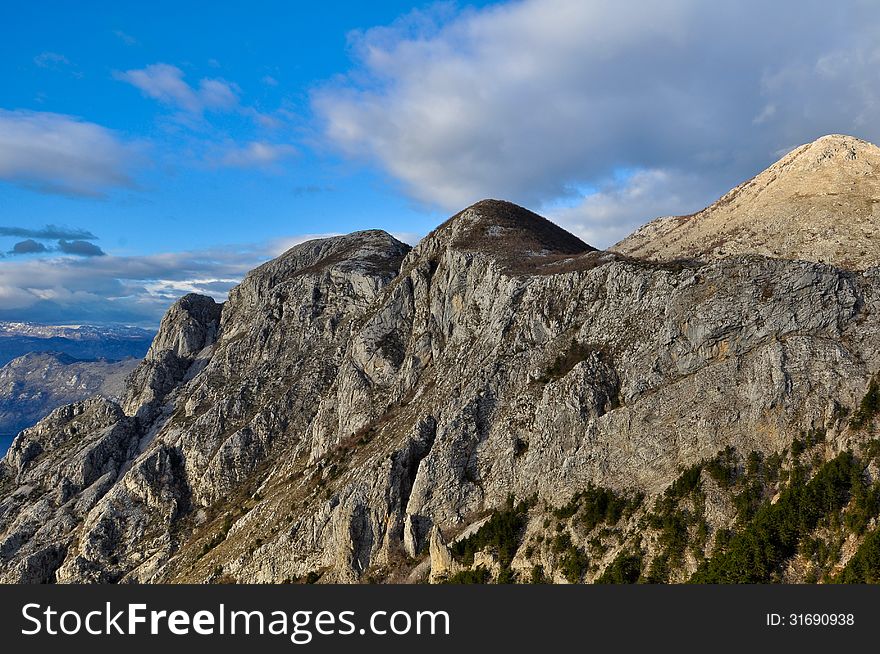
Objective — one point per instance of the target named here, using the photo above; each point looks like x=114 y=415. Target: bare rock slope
x=359 y=410
x=820 y=202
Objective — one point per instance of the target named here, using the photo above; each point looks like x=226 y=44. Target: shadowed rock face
x=354 y=401
x=820 y=202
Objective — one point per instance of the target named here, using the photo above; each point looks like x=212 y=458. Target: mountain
x=820 y=202
x=500 y=403
x=78 y=341
x=32 y=385
x=74 y=332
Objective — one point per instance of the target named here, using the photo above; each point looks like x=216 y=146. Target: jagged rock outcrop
x=820 y=202
x=357 y=397
x=52 y=476
x=187 y=329
x=443 y=564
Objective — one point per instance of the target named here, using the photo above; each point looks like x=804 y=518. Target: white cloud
x=56 y=153
x=129 y=289
x=608 y=214
x=51 y=60
x=527 y=100
x=165 y=83
x=257 y=154
x=126 y=289
x=127 y=39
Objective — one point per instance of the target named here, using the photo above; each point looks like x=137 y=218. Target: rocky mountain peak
x=373 y=248
x=371 y=252
x=830 y=165
x=835 y=149
x=502 y=230
x=820 y=202
x=188 y=326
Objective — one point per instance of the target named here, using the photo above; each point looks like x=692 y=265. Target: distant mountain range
x=45 y=366
x=79 y=341
x=75 y=332
x=31 y=386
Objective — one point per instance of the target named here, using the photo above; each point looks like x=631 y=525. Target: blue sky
x=152 y=149
x=185 y=196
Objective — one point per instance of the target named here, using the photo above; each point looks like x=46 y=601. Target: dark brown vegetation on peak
x=506 y=228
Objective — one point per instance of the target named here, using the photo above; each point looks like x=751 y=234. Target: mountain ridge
x=820 y=202
x=359 y=410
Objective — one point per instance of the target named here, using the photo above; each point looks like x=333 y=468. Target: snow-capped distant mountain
x=73 y=332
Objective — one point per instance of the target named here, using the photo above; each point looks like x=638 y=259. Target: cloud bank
x=56 y=153
x=80 y=248
x=124 y=289
x=545 y=102
x=105 y=289
x=30 y=246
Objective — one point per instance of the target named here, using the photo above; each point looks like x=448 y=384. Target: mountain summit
x=820 y=202
x=500 y=226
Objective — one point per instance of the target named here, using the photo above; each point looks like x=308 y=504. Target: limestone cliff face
x=354 y=399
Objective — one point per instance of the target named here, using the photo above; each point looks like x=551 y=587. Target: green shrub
x=686 y=483
x=868 y=407
x=561 y=543
x=479 y=575
x=574 y=564
x=502 y=535
x=626 y=568
x=757 y=552
x=538 y=576
x=659 y=571
x=723 y=468
x=596 y=505
x=865 y=504
x=864 y=566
